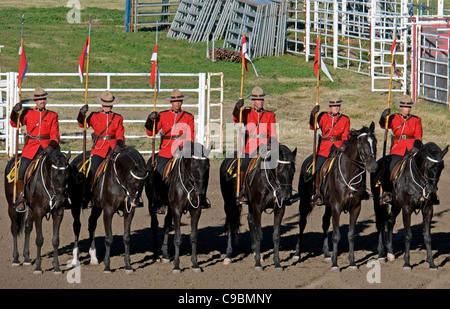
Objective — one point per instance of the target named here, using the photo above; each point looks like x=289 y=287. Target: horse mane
x=354 y=133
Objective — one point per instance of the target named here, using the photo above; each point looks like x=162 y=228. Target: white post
x=200 y=135
x=307 y=29
x=440 y=7
x=372 y=41
x=335 y=31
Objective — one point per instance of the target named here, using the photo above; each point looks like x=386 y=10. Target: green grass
x=54 y=45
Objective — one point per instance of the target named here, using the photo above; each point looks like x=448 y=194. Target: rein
x=275 y=190
x=128 y=195
x=50 y=196
x=423 y=176
x=191 y=183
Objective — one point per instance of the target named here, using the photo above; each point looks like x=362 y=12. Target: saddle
x=232 y=169
x=398 y=168
x=324 y=170
x=168 y=168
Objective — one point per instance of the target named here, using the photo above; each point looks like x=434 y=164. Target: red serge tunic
x=176 y=128
x=40 y=135
x=405 y=132
x=335 y=130
x=114 y=130
x=259 y=127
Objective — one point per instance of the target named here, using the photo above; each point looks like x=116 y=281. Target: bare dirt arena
x=311 y=273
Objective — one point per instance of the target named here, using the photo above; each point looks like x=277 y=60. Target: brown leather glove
x=237 y=108
x=151 y=118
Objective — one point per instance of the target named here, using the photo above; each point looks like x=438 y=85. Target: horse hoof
x=227 y=261
x=129 y=271
x=176 y=271
x=26 y=264
x=327 y=259
x=296 y=258
x=258 y=268
x=382 y=260
x=280 y=268
x=407 y=267
x=107 y=271
x=390 y=257
x=93 y=262
x=38 y=272
x=15 y=264
x=57 y=272
x=197 y=270
x=165 y=261
x=353 y=267
x=433 y=268
x=335 y=269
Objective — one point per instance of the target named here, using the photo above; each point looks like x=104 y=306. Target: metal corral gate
x=357 y=34
x=205 y=106
x=432 y=48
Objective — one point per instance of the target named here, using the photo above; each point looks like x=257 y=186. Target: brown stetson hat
x=257 y=93
x=39 y=93
x=107 y=99
x=176 y=95
x=335 y=99
x=405 y=101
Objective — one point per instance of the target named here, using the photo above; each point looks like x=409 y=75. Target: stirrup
x=317 y=200
x=385 y=198
x=20 y=209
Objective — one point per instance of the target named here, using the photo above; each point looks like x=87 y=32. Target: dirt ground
x=311 y=273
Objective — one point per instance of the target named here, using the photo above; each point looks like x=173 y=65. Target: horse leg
x=128 y=217
x=408 y=237
x=195 y=216
x=336 y=237
x=176 y=240
x=165 y=245
x=381 y=219
x=107 y=221
x=390 y=226
x=76 y=226
x=57 y=219
x=39 y=242
x=28 y=229
x=354 y=214
x=278 y=216
x=154 y=227
x=15 y=229
x=427 y=214
x=254 y=221
x=305 y=209
x=92 y=225
x=326 y=220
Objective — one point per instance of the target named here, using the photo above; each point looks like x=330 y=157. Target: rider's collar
x=107 y=113
x=405 y=117
x=39 y=109
x=334 y=115
x=174 y=111
x=258 y=110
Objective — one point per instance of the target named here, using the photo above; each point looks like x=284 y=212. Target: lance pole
x=239 y=151
x=86 y=94
x=155 y=83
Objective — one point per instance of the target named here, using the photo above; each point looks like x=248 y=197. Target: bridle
x=51 y=195
x=423 y=177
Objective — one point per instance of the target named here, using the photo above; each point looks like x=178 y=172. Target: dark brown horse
x=45 y=193
x=411 y=191
x=268 y=188
x=117 y=190
x=187 y=185
x=343 y=190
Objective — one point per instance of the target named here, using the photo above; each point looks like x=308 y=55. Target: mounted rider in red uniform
x=406 y=137
x=177 y=127
x=260 y=130
x=335 y=128
x=42 y=135
x=109 y=132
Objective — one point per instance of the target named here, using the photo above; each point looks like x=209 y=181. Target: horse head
x=430 y=162
x=366 y=146
x=57 y=169
x=131 y=173
x=285 y=171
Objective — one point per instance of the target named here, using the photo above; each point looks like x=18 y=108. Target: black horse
x=45 y=192
x=186 y=184
x=118 y=188
x=343 y=190
x=268 y=186
x=411 y=190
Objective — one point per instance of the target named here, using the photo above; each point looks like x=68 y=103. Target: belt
x=332 y=138
x=107 y=137
x=39 y=137
x=171 y=136
x=403 y=137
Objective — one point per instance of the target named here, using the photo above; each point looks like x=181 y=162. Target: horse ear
x=445 y=151
x=295 y=152
x=69 y=154
x=372 y=126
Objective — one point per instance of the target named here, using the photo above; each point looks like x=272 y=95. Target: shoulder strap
x=339 y=118
x=182 y=115
x=37 y=124
x=109 y=123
